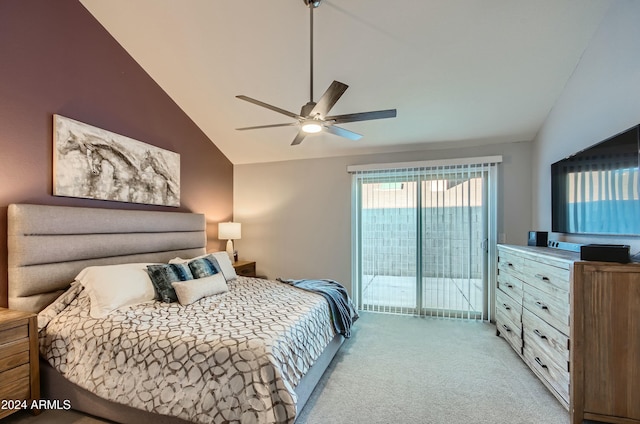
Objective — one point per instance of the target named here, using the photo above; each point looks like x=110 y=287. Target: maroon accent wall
x=55 y=58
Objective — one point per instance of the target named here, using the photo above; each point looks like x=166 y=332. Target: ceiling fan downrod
x=311 y=5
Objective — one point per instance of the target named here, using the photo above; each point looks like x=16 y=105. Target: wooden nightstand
x=245 y=268
x=19 y=367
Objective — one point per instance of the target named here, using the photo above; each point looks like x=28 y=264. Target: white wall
x=601 y=99
x=296 y=215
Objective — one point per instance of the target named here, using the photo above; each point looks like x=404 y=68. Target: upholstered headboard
x=49 y=245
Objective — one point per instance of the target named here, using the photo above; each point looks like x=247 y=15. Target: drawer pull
x=542 y=277
x=509 y=285
x=542 y=305
x=507 y=307
x=506 y=327
x=540 y=363
x=509 y=264
x=539 y=334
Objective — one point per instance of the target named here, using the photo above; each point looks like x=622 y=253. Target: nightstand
x=245 y=268
x=19 y=367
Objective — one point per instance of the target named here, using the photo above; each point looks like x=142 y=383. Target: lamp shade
x=229 y=231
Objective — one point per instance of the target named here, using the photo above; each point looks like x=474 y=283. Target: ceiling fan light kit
x=313 y=115
x=311 y=126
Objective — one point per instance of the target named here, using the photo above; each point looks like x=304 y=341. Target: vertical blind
x=421 y=234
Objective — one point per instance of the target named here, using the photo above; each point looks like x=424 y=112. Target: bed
x=287 y=327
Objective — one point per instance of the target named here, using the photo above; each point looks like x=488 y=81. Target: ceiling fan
x=313 y=116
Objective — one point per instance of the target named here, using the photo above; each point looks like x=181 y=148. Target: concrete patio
x=441 y=296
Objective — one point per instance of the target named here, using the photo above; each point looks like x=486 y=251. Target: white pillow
x=181 y=261
x=113 y=286
x=226 y=267
x=191 y=290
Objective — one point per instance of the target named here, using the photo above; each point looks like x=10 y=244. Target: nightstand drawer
x=16 y=390
x=14 y=354
x=14 y=374
x=15 y=383
x=14 y=333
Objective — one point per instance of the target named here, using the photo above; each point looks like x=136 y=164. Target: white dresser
x=532 y=310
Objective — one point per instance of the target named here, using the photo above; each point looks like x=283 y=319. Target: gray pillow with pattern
x=204 y=266
x=163 y=275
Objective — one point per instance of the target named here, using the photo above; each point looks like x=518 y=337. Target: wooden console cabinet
x=605 y=350
x=577 y=326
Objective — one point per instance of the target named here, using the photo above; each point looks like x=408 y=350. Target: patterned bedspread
x=234 y=357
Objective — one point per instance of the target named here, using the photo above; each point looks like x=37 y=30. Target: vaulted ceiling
x=457 y=71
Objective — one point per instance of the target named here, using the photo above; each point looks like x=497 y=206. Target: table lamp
x=229 y=231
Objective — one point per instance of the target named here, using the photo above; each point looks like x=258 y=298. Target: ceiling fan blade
x=362 y=116
x=299 y=137
x=342 y=132
x=268 y=106
x=329 y=98
x=267 y=126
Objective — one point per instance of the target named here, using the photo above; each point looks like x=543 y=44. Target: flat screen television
x=596 y=191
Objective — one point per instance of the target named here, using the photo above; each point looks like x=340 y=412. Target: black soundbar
x=605 y=253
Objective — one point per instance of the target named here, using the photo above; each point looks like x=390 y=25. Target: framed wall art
x=93 y=163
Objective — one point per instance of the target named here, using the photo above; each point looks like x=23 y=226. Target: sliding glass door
x=453 y=229
x=421 y=239
x=388 y=243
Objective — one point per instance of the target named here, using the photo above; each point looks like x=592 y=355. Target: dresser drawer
x=548 y=371
x=545 y=338
x=509 y=263
x=509 y=307
x=553 y=293
x=547 y=278
x=550 y=308
x=511 y=285
x=510 y=331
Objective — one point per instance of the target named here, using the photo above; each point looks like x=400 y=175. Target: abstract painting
x=93 y=163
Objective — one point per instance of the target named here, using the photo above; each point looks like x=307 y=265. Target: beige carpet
x=398 y=369
x=403 y=370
